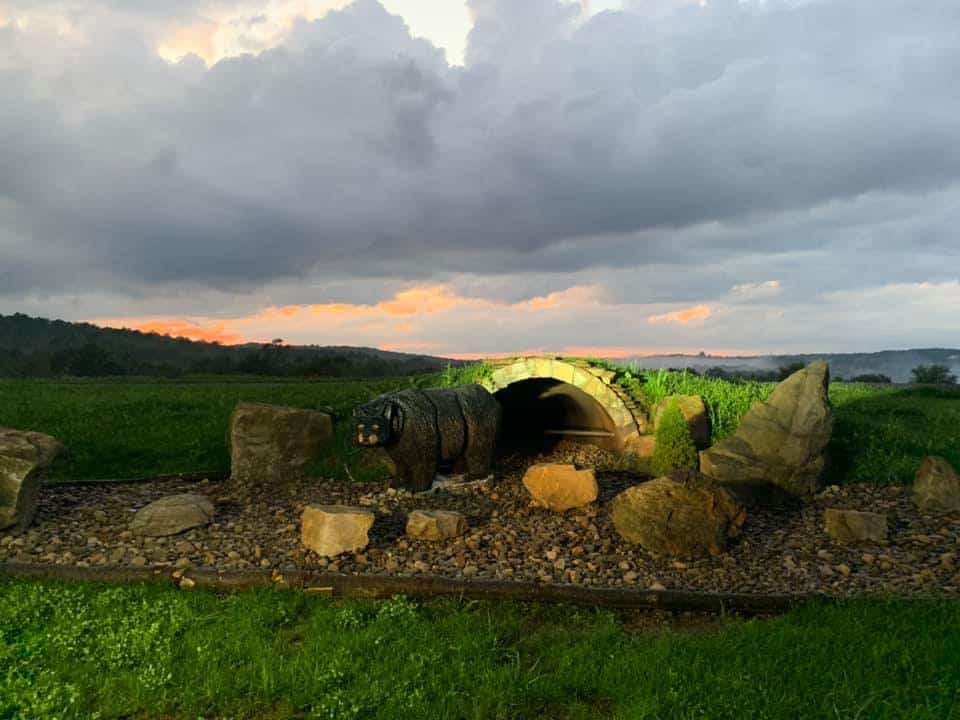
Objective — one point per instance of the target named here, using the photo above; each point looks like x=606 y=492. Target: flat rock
x=694 y=411
x=24 y=457
x=435 y=524
x=780 y=446
x=172 y=514
x=270 y=446
x=681 y=515
x=937 y=486
x=852 y=526
x=560 y=487
x=329 y=530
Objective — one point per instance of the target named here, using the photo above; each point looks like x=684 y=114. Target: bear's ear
x=395 y=417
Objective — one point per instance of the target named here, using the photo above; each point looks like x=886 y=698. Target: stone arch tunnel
x=546 y=399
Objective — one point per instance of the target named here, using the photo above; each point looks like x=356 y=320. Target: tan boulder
x=172 y=514
x=329 y=530
x=694 y=410
x=270 y=446
x=435 y=524
x=680 y=515
x=852 y=526
x=560 y=487
x=937 y=486
x=24 y=458
x=780 y=446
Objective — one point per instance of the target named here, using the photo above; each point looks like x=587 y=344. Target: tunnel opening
x=540 y=412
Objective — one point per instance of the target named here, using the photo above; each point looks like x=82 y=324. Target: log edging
x=212 y=476
x=378 y=587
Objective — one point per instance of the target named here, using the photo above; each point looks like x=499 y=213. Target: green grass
x=136 y=429
x=882 y=434
x=82 y=651
x=726 y=401
x=115 y=429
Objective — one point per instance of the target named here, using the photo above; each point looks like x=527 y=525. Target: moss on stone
x=675 y=449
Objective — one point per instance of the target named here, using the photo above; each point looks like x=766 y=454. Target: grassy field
x=121 y=429
x=146 y=652
x=115 y=429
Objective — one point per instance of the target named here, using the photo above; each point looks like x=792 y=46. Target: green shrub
x=675 y=449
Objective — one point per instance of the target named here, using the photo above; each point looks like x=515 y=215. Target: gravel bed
x=779 y=551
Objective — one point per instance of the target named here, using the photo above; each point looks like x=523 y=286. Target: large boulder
x=435 y=524
x=270 y=446
x=560 y=487
x=853 y=526
x=780 y=446
x=172 y=514
x=680 y=515
x=937 y=486
x=694 y=410
x=24 y=457
x=329 y=530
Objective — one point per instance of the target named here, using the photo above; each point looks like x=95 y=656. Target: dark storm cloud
x=701 y=135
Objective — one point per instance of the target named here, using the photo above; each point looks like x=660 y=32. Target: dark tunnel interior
x=539 y=412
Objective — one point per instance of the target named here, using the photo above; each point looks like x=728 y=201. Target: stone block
x=435 y=525
x=329 y=530
x=852 y=526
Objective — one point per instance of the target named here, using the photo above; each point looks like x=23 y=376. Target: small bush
x=874 y=378
x=675 y=449
x=933 y=375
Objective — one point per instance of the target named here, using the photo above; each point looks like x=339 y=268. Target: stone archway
x=593 y=407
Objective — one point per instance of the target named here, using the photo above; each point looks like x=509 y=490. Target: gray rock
x=852 y=526
x=682 y=515
x=270 y=446
x=780 y=446
x=937 y=486
x=172 y=514
x=24 y=457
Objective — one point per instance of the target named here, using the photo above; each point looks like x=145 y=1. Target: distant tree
x=788 y=370
x=875 y=378
x=277 y=341
x=89 y=360
x=933 y=375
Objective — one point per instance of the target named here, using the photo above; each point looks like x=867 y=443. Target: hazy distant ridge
x=40 y=348
x=896 y=364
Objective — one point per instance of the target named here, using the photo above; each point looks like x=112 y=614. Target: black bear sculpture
x=423 y=430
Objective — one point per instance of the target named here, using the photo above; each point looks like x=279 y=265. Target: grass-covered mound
x=126 y=428
x=85 y=651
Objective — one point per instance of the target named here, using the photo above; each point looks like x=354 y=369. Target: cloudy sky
x=487 y=176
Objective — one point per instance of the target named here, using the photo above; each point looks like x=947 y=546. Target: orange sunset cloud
x=392 y=317
x=682 y=317
x=178 y=328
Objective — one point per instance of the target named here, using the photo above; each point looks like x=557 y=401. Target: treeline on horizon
x=36 y=347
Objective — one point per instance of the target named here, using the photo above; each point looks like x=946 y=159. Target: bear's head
x=377 y=423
